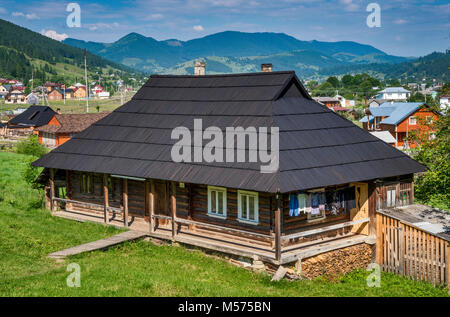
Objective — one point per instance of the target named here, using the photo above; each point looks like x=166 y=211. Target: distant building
x=32 y=99
x=400 y=119
x=103 y=95
x=444 y=102
x=80 y=92
x=394 y=93
x=55 y=94
x=376 y=102
x=329 y=102
x=62 y=127
x=27 y=121
x=15 y=96
x=385 y=136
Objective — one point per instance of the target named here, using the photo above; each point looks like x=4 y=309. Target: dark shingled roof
x=317 y=146
x=34 y=116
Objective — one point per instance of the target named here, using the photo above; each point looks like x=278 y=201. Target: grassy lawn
x=28 y=233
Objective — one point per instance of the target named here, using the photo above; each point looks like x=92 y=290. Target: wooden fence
x=405 y=249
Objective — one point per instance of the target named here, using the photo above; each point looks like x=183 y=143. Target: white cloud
x=349 y=5
x=102 y=26
x=153 y=17
x=54 y=35
x=400 y=21
x=28 y=16
x=198 y=28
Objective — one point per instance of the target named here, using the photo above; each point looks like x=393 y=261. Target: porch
x=177 y=212
x=231 y=241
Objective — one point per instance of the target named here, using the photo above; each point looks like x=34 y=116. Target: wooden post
x=151 y=198
x=52 y=189
x=125 y=202
x=68 y=184
x=278 y=230
x=106 y=197
x=379 y=250
x=173 y=208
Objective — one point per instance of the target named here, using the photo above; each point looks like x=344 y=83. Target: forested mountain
x=435 y=65
x=235 y=52
x=21 y=48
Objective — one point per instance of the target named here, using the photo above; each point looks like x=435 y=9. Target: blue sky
x=408 y=27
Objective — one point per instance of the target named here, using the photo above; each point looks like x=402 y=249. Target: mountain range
x=232 y=51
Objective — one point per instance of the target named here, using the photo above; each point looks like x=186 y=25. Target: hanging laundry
x=315 y=204
x=302 y=203
x=293 y=205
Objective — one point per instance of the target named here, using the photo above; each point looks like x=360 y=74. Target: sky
x=408 y=27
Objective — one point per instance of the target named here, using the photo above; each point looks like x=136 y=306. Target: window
x=48 y=139
x=87 y=184
x=217 y=202
x=429 y=119
x=412 y=120
x=390 y=196
x=248 y=207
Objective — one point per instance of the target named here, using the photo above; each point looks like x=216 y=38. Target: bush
x=31 y=146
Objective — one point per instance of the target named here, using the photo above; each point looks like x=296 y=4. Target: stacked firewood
x=336 y=263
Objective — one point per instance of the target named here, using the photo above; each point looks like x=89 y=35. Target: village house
x=79 y=92
x=55 y=95
x=394 y=94
x=16 y=96
x=400 y=119
x=32 y=99
x=25 y=123
x=4 y=90
x=332 y=175
x=49 y=86
x=329 y=102
x=376 y=102
x=62 y=127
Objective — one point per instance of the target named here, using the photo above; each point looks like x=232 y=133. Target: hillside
x=20 y=48
x=234 y=50
x=434 y=65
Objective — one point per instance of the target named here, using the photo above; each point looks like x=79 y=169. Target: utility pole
x=86 y=80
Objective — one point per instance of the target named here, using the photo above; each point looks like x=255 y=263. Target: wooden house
x=79 y=92
x=62 y=127
x=328 y=101
x=25 y=123
x=55 y=94
x=16 y=96
x=332 y=174
x=400 y=119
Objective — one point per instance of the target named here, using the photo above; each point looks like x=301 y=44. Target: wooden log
x=279 y=274
x=278 y=230
x=173 y=208
x=52 y=189
x=151 y=198
x=106 y=197
x=125 y=202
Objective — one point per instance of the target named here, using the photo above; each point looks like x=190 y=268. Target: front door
x=161 y=198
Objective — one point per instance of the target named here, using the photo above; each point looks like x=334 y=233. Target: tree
x=432 y=187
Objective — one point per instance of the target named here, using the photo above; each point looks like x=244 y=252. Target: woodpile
x=339 y=262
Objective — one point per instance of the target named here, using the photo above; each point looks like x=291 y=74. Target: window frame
x=224 y=202
x=255 y=195
x=415 y=120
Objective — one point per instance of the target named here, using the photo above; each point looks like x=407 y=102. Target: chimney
x=199 y=68
x=266 y=68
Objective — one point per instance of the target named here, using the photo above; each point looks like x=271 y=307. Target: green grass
x=29 y=233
